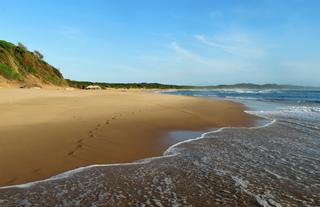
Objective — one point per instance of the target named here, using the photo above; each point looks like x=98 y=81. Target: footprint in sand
x=97 y=127
x=107 y=122
x=70 y=153
x=35 y=170
x=79 y=146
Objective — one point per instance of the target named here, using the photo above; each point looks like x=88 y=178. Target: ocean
x=261 y=98
x=276 y=163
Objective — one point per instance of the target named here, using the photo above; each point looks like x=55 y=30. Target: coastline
x=80 y=128
x=245 y=166
x=169 y=152
x=144 y=174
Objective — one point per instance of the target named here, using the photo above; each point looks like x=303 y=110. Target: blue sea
x=299 y=98
x=278 y=161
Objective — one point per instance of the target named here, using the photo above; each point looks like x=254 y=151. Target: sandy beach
x=46 y=132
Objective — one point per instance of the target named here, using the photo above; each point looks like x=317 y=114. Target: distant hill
x=18 y=66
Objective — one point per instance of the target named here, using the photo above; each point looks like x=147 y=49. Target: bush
x=6 y=45
x=22 y=46
x=38 y=54
x=8 y=72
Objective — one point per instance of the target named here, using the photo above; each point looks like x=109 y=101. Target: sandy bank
x=45 y=132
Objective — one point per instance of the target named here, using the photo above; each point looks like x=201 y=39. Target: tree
x=22 y=46
x=38 y=54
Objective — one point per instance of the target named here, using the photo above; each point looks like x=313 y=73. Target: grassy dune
x=20 y=66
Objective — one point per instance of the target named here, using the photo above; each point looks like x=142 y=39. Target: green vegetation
x=17 y=64
x=22 y=46
x=84 y=84
x=6 y=45
x=38 y=54
x=9 y=73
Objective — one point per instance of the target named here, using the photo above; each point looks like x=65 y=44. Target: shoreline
x=156 y=132
x=224 y=166
x=169 y=152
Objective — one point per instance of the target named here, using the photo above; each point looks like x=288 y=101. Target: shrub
x=6 y=45
x=38 y=54
x=22 y=46
x=8 y=72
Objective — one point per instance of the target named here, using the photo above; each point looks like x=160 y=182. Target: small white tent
x=93 y=87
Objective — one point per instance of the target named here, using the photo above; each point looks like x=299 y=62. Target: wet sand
x=46 y=132
x=274 y=165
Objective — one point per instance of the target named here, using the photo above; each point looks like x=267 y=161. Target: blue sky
x=200 y=42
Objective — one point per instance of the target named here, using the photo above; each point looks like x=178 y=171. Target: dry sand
x=46 y=132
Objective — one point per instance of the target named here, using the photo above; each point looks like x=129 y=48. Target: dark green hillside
x=18 y=65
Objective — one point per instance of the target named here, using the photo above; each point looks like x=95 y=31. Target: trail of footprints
x=92 y=133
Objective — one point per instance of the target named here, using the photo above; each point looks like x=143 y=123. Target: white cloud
x=238 y=44
x=209 y=64
x=187 y=53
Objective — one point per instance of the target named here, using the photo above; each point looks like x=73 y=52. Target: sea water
x=278 y=164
